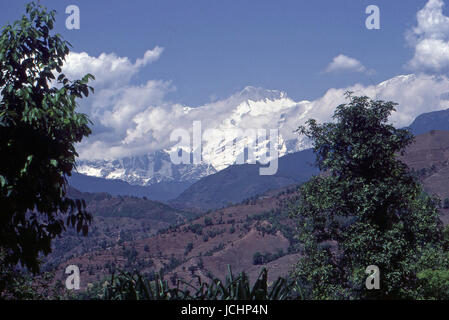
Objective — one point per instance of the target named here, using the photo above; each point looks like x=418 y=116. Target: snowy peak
x=252 y=108
x=145 y=170
x=257 y=94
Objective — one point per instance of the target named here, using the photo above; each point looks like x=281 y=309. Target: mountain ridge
x=235 y=235
x=238 y=182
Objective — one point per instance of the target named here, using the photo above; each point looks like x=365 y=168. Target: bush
x=196 y=228
x=208 y=221
x=134 y=286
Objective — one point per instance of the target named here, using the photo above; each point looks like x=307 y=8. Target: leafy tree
x=433 y=275
x=16 y=284
x=366 y=208
x=38 y=131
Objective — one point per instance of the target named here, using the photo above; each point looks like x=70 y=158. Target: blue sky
x=151 y=59
x=214 y=48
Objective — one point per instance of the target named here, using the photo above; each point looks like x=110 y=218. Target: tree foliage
x=365 y=209
x=38 y=131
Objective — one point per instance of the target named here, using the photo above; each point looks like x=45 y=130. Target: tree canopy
x=39 y=127
x=366 y=208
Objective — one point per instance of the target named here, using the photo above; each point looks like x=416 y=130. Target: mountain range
x=240 y=182
x=202 y=246
x=202 y=186
x=222 y=218
x=220 y=148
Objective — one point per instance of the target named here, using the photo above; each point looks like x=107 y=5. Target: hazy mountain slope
x=206 y=245
x=230 y=185
x=115 y=219
x=428 y=149
x=429 y=157
x=236 y=183
x=253 y=108
x=437 y=120
x=159 y=191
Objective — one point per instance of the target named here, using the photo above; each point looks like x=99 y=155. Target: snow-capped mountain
x=252 y=108
x=256 y=109
x=221 y=146
x=145 y=170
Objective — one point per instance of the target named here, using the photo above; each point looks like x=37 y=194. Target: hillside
x=231 y=185
x=205 y=246
x=196 y=186
x=247 y=236
x=239 y=182
x=437 y=120
x=161 y=191
x=429 y=157
x=115 y=219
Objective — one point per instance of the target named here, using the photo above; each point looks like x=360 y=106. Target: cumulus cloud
x=415 y=94
x=430 y=39
x=342 y=63
x=132 y=120
x=109 y=69
x=117 y=115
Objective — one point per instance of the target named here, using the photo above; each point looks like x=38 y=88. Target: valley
x=255 y=233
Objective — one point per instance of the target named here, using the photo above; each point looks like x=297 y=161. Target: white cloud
x=138 y=119
x=343 y=63
x=149 y=57
x=117 y=114
x=109 y=69
x=415 y=94
x=430 y=39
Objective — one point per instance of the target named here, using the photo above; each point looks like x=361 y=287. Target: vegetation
x=38 y=130
x=366 y=209
x=196 y=228
x=259 y=258
x=134 y=286
x=16 y=284
x=208 y=221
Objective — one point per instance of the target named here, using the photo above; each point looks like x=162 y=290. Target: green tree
x=38 y=131
x=366 y=208
x=434 y=275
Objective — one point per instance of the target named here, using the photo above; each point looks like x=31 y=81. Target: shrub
x=208 y=221
x=134 y=286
